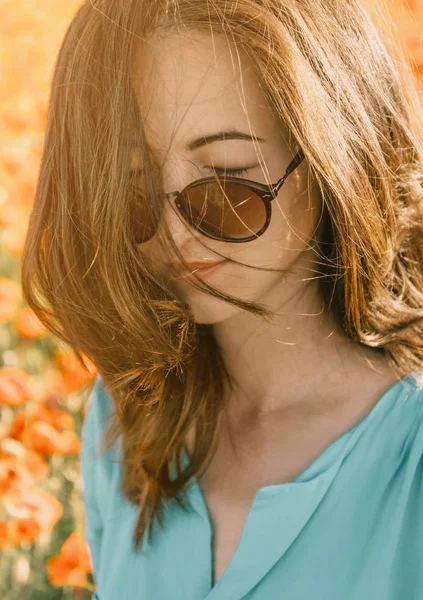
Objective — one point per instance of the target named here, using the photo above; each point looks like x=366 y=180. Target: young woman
x=228 y=223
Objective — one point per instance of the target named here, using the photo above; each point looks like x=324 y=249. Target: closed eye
x=221 y=172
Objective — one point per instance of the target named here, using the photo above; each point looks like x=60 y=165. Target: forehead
x=192 y=85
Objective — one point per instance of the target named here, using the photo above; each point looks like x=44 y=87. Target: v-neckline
x=322 y=459
x=270 y=516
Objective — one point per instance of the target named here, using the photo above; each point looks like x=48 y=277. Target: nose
x=180 y=230
x=177 y=174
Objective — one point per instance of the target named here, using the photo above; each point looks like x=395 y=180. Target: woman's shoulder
x=414 y=402
x=402 y=442
x=99 y=410
x=100 y=404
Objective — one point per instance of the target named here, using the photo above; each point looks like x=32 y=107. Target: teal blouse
x=349 y=527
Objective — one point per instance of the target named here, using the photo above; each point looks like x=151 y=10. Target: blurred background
x=43 y=389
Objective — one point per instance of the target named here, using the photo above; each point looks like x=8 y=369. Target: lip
x=202 y=269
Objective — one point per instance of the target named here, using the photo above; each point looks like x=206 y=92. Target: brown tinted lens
x=143 y=221
x=225 y=209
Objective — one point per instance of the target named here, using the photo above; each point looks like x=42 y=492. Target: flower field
x=43 y=388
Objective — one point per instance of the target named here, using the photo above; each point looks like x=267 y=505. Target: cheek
x=294 y=222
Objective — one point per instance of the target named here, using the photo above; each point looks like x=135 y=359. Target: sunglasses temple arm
x=298 y=158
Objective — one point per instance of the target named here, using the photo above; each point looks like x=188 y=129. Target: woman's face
x=190 y=88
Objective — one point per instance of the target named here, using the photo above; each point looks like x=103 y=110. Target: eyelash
x=218 y=170
x=227 y=172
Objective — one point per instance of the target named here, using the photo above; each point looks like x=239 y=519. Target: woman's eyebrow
x=222 y=135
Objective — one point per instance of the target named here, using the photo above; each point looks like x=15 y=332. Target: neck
x=299 y=360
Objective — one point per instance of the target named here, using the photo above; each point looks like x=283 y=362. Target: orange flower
x=23 y=531
x=74 y=376
x=10 y=297
x=37 y=504
x=415 y=44
x=45 y=439
x=17 y=429
x=45 y=430
x=35 y=465
x=50 y=385
x=28 y=325
x=54 y=417
x=8 y=474
x=417 y=68
x=71 y=565
x=19 y=467
x=14 y=238
x=16 y=475
x=14 y=386
x=4 y=535
x=415 y=5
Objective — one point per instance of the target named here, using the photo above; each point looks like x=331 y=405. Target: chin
x=207 y=310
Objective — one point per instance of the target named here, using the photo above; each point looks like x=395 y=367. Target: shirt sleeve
x=89 y=458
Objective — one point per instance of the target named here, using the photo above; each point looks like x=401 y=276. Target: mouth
x=201 y=269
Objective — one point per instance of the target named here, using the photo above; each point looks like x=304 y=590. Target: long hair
x=347 y=101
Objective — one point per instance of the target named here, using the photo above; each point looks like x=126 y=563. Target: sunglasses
x=227 y=209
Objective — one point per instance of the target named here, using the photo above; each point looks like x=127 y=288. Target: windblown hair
x=347 y=98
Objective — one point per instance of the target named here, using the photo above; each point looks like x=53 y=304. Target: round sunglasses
x=227 y=209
